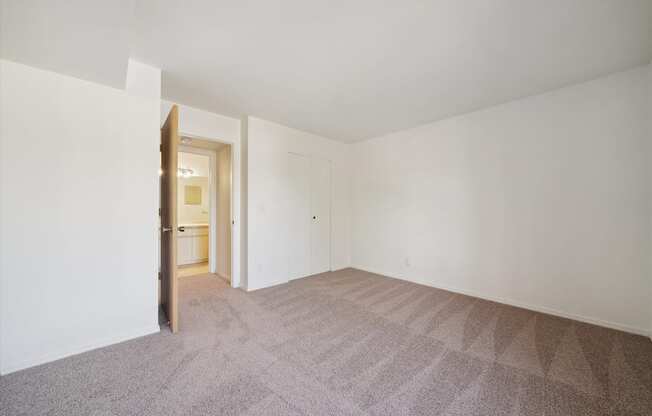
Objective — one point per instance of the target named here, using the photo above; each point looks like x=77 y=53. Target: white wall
x=268 y=147
x=224 y=212
x=649 y=102
x=202 y=124
x=78 y=232
x=2 y=133
x=244 y=203
x=193 y=214
x=197 y=162
x=542 y=202
x=200 y=165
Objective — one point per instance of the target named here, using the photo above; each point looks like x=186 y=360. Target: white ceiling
x=347 y=70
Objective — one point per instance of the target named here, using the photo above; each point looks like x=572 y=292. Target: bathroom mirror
x=192 y=195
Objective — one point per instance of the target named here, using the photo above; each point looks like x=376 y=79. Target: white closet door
x=320 y=205
x=299 y=216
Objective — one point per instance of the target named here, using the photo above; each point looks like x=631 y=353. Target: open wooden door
x=169 y=226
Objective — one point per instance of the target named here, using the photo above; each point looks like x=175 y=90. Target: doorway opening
x=195 y=213
x=204 y=208
x=194 y=194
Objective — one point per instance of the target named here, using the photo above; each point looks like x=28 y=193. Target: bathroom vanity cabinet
x=192 y=243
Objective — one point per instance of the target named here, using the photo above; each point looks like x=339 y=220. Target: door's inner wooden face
x=169 y=225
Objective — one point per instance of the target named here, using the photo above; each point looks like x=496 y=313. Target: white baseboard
x=74 y=350
x=272 y=284
x=511 y=302
x=280 y=282
x=193 y=262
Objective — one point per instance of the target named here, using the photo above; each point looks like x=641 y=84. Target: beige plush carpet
x=347 y=343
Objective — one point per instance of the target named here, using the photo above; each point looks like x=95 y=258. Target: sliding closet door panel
x=299 y=219
x=320 y=205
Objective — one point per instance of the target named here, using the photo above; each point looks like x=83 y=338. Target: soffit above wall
x=80 y=38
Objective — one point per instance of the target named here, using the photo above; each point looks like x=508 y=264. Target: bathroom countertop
x=193 y=225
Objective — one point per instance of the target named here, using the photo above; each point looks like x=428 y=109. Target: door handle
x=182 y=229
x=166 y=229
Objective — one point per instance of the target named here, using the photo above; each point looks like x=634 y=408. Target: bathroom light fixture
x=185 y=173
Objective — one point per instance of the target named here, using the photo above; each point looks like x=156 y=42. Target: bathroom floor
x=192 y=269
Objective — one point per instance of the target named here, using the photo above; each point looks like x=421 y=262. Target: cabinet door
x=201 y=247
x=184 y=249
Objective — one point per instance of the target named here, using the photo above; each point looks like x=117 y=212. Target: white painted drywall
x=197 y=162
x=191 y=213
x=244 y=203
x=649 y=103
x=200 y=165
x=79 y=161
x=268 y=147
x=203 y=124
x=2 y=134
x=224 y=212
x=542 y=202
x=198 y=123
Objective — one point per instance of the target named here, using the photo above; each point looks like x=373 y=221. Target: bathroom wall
x=193 y=214
x=200 y=166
